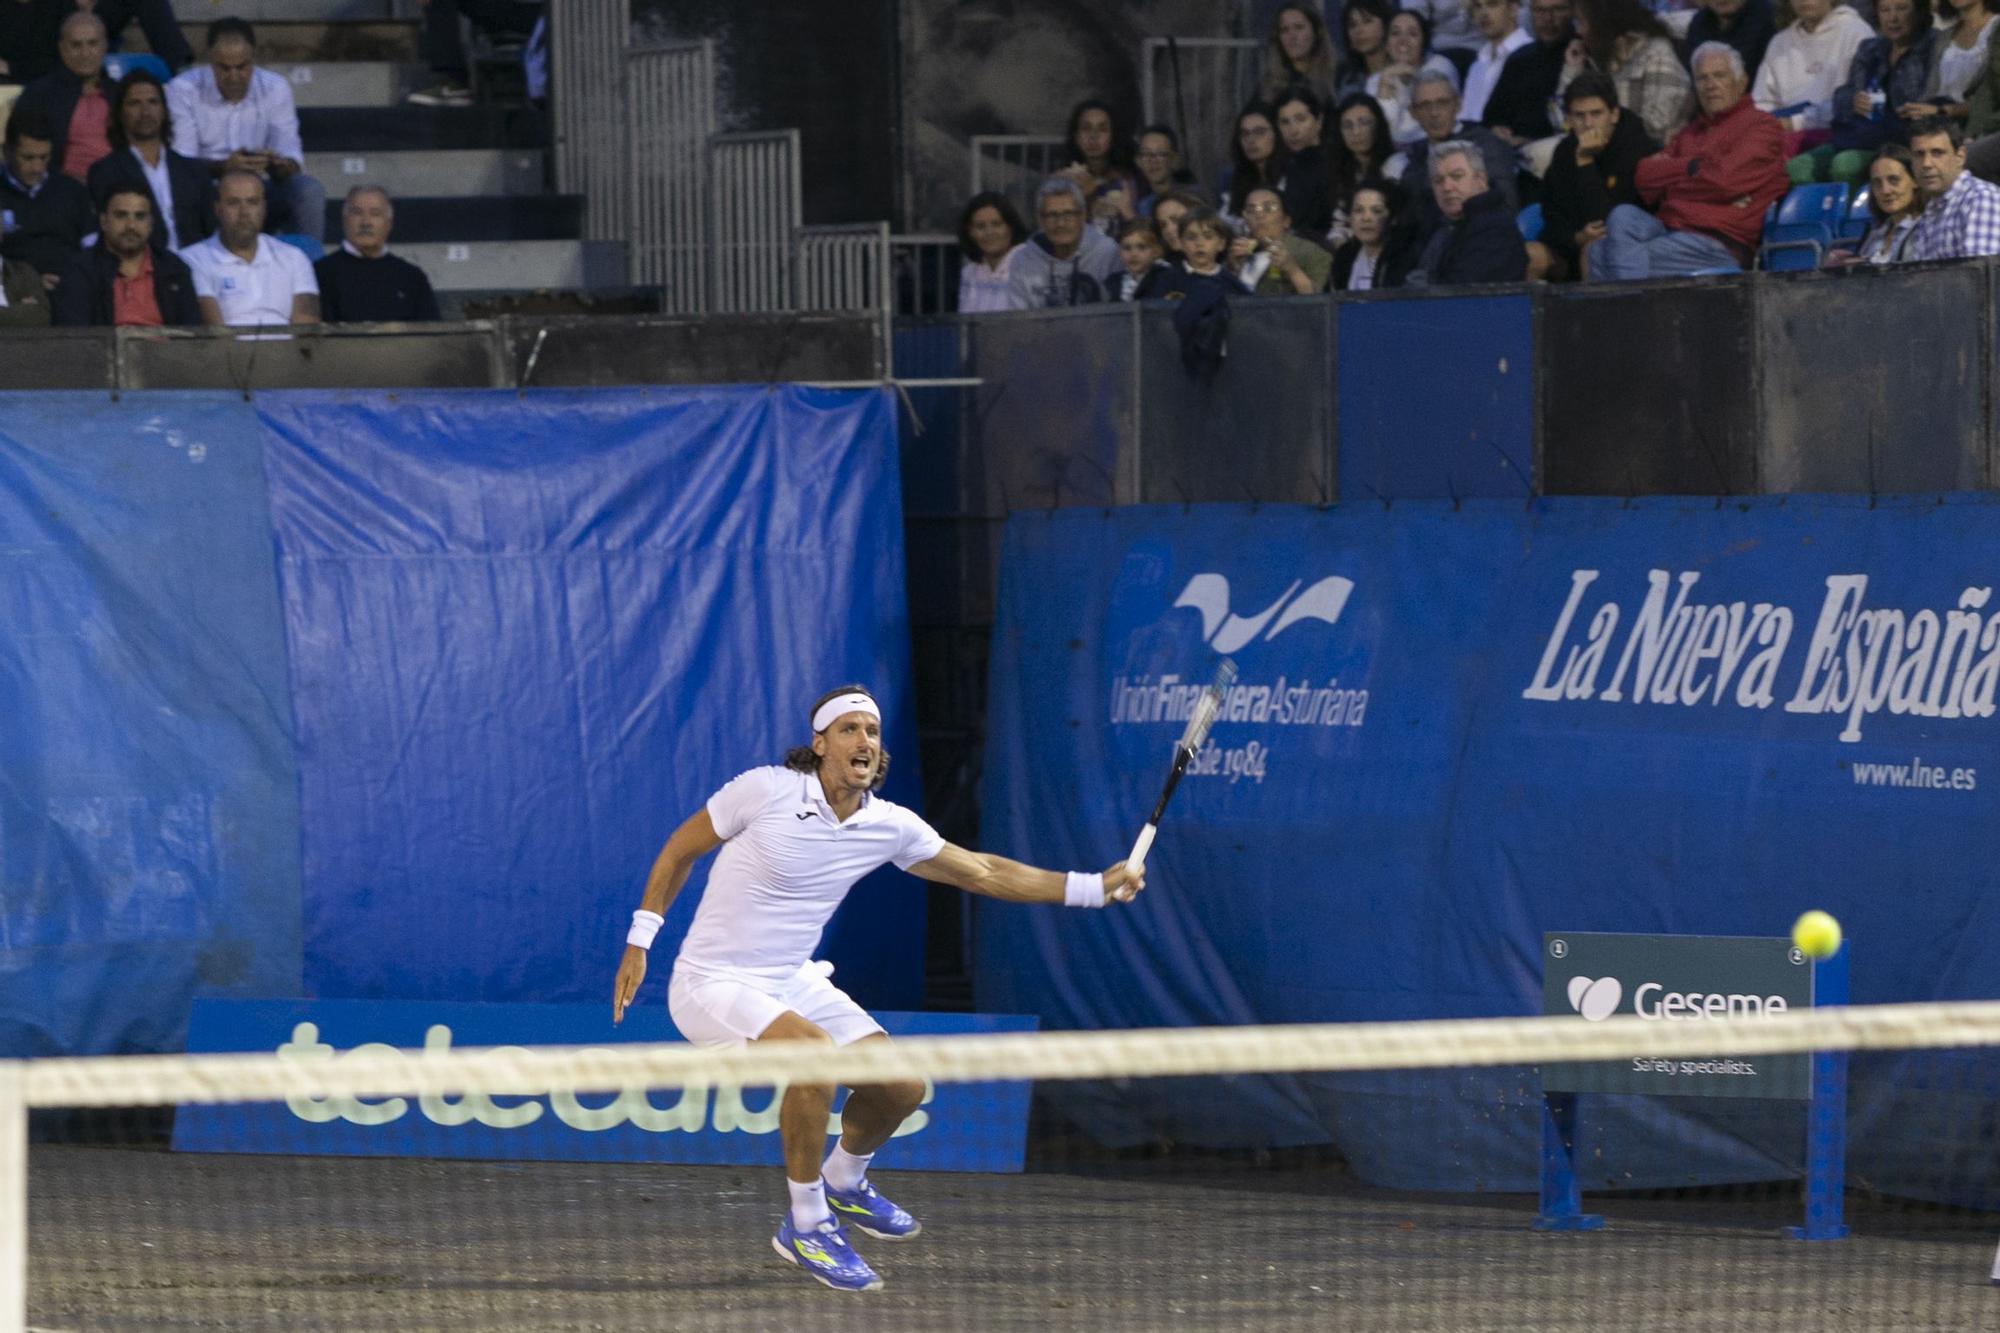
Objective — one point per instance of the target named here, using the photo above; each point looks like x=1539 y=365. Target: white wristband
x=1081 y=890
x=645 y=925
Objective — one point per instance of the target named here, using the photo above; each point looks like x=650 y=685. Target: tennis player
x=794 y=840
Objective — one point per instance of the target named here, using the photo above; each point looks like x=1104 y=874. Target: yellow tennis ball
x=1816 y=934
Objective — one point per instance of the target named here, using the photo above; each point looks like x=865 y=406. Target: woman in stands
x=1958 y=69
x=1301 y=53
x=1366 y=25
x=1804 y=65
x=1624 y=39
x=1410 y=54
x=990 y=230
x=1257 y=157
x=1360 y=149
x=1381 y=249
x=1889 y=72
x=1893 y=204
x=1101 y=165
x=1167 y=214
x=1301 y=121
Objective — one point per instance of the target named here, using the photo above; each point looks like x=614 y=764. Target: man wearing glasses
x=1435 y=104
x=1065 y=263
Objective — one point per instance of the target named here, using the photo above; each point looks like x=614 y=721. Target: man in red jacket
x=1708 y=190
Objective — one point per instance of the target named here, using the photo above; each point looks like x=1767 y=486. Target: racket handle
x=1140 y=846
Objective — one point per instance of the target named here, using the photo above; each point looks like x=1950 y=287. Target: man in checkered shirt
x=1961 y=216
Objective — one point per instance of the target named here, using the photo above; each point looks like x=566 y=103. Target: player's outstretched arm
x=1011 y=881
x=694 y=839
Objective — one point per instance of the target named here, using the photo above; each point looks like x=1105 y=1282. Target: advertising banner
x=1677 y=979
x=1458 y=727
x=959 y=1127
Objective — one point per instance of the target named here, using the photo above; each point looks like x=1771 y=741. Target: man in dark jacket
x=183 y=190
x=1746 y=25
x=1518 y=110
x=361 y=282
x=72 y=97
x=1479 y=241
x=1593 y=171
x=44 y=215
x=122 y=281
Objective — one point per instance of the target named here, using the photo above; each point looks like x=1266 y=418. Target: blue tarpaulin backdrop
x=396 y=696
x=1417 y=795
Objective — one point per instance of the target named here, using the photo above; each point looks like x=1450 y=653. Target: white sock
x=845 y=1171
x=808 y=1204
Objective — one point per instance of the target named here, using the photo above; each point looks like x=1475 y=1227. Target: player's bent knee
x=789 y=1026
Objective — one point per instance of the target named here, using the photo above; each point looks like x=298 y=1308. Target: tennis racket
x=1200 y=719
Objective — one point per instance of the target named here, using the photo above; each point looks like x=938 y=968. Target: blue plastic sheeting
x=529 y=635
x=1463 y=425
x=1445 y=767
x=148 y=817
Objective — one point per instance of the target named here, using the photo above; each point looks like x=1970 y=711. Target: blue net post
x=1562 y=1195
x=1826 y=1119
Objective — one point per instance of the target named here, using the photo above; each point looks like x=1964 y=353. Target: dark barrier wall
x=509 y=642
x=541 y=351
x=1437 y=397
x=1457 y=727
x=1874 y=386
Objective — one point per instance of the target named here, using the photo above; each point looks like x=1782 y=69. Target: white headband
x=843 y=704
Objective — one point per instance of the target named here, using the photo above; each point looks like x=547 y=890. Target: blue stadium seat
x=120 y=63
x=1855 y=225
x=313 y=249
x=1804 y=225
x=1530 y=222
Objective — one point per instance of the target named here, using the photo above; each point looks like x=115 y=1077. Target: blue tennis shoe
x=867 y=1210
x=824 y=1252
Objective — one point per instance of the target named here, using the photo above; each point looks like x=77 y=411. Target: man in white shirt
x=794 y=840
x=1500 y=37
x=236 y=117
x=243 y=277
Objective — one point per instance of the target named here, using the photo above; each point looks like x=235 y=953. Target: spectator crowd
x=1644 y=143
x=165 y=198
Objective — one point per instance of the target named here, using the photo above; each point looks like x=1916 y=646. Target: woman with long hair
x=1381 y=250
x=990 y=230
x=1960 y=64
x=1256 y=156
x=1410 y=54
x=1100 y=155
x=1365 y=25
x=1889 y=73
x=1360 y=148
x=1625 y=39
x=1300 y=54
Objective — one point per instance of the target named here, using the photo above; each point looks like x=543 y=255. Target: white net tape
x=1141 y=1053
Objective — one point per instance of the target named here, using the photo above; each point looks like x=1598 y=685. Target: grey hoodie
x=1040 y=279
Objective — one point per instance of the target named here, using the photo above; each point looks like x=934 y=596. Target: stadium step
x=402 y=128
x=323 y=42
x=470 y=171
x=192 y=12
x=353 y=83
x=517 y=265
x=544 y=217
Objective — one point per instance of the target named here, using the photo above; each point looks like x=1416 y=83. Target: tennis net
x=1414 y=1175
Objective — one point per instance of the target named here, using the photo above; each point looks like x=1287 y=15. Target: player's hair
x=801 y=759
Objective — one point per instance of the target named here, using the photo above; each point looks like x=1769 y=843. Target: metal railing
x=755 y=208
x=1016 y=165
x=924 y=267
x=670 y=96
x=587 y=40
x=842 y=268
x=1197 y=85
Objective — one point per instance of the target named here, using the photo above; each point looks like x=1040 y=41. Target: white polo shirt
x=259 y=292
x=785 y=865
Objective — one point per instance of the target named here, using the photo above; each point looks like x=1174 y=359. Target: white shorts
x=716 y=1012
